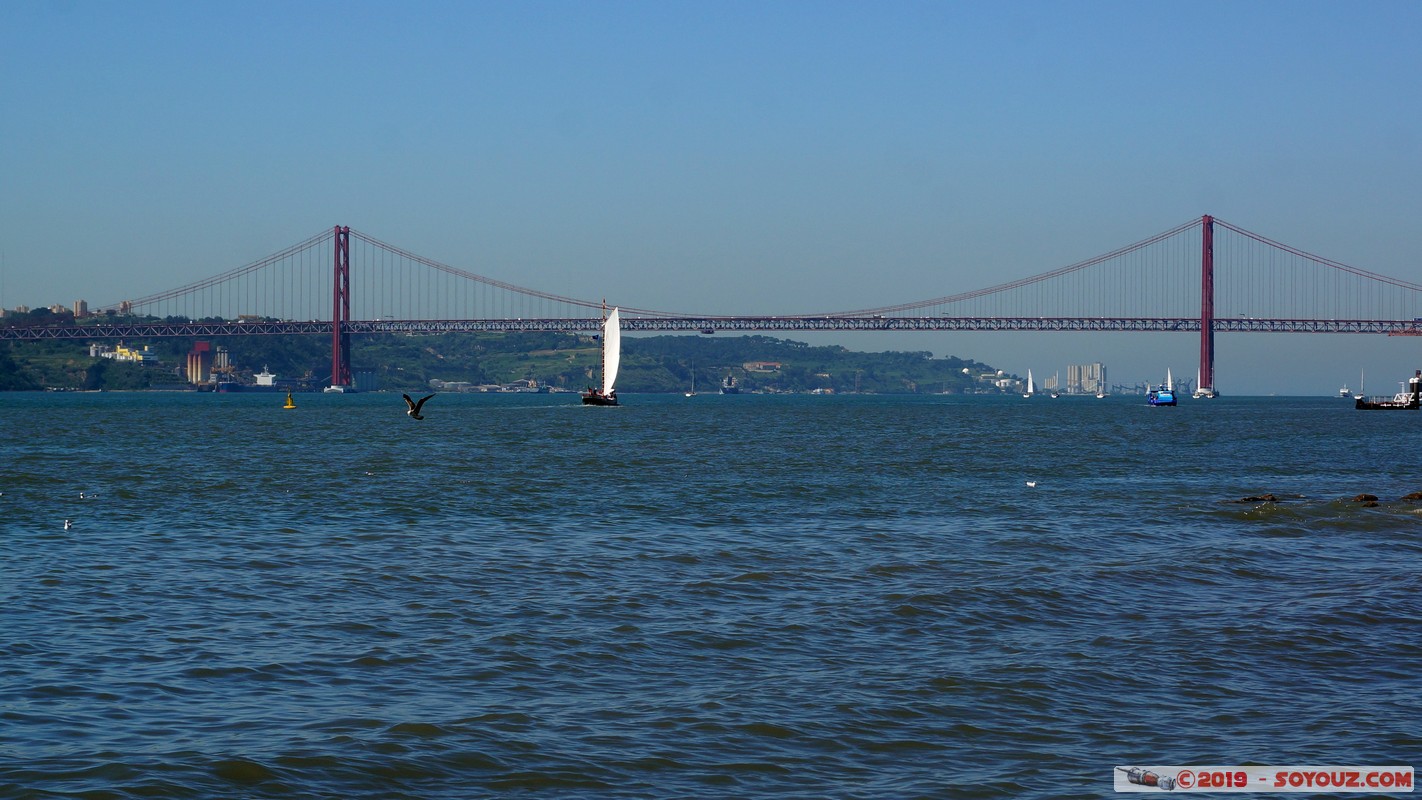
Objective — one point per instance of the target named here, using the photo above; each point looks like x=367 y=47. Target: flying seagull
x=414 y=407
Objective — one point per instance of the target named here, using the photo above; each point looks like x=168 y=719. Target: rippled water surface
x=748 y=596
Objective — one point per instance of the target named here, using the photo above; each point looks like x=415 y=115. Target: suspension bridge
x=1205 y=276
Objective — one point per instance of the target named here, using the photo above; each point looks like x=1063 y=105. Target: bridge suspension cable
x=1338 y=265
x=1017 y=284
x=225 y=277
x=498 y=284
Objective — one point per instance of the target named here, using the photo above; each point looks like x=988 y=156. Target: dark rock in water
x=1414 y=497
x=1258 y=498
x=1365 y=498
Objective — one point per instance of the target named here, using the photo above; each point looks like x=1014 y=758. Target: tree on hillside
x=11 y=378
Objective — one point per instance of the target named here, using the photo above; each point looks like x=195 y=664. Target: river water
x=716 y=596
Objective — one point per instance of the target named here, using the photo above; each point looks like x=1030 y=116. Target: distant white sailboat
x=1031 y=387
x=611 y=358
x=1203 y=392
x=692 y=393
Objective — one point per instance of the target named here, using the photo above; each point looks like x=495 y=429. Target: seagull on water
x=66 y=525
x=1031 y=484
x=414 y=406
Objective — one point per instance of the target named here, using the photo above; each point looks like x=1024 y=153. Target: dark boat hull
x=599 y=399
x=1410 y=400
x=1363 y=404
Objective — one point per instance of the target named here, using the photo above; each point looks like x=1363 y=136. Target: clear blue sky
x=726 y=157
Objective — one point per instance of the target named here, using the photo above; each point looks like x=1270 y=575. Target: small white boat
x=1031 y=387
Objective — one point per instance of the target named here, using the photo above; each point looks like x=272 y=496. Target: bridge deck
x=138 y=330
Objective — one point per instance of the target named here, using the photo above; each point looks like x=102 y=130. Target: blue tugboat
x=1163 y=395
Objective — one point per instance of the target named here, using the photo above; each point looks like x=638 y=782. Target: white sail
x=1169 y=382
x=1031 y=387
x=611 y=351
x=1202 y=392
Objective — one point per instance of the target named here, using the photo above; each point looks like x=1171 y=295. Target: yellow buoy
x=289 y=403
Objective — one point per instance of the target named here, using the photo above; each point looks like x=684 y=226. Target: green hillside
x=409 y=362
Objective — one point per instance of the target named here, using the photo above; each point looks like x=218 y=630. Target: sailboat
x=1031 y=387
x=1203 y=392
x=692 y=393
x=611 y=356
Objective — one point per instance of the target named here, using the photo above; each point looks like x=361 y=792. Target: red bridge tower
x=1207 y=303
x=341 y=310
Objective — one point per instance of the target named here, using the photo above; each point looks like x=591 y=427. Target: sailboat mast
x=602 y=340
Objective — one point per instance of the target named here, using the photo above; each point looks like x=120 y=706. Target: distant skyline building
x=1086 y=378
x=200 y=363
